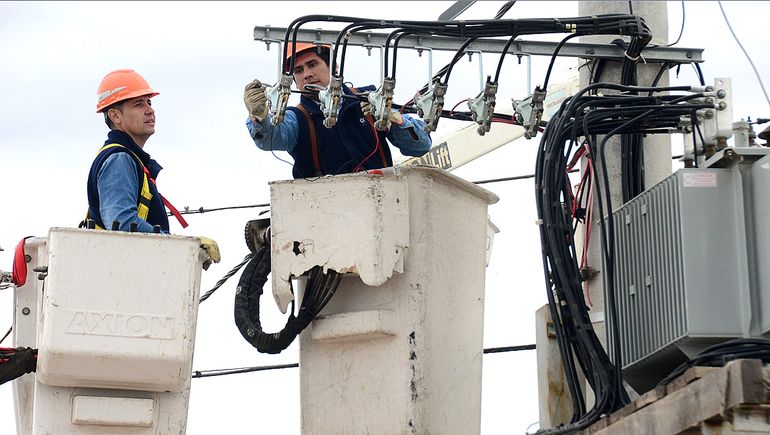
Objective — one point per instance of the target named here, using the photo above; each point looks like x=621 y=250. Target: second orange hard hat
x=302 y=47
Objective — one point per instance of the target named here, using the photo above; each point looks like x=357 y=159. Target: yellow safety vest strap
x=143 y=202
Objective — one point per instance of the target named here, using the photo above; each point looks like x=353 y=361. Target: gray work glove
x=255 y=100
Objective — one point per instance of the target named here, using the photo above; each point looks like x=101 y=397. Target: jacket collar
x=120 y=137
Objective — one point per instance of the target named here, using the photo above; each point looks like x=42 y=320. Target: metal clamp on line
x=278 y=98
x=430 y=105
x=483 y=106
x=330 y=99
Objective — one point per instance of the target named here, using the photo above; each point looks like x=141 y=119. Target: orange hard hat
x=120 y=85
x=302 y=47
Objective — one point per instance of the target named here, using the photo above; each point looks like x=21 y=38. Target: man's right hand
x=255 y=100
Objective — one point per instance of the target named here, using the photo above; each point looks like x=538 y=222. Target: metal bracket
x=535 y=48
x=481 y=66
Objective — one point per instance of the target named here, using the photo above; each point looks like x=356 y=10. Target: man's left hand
x=395 y=116
x=212 y=249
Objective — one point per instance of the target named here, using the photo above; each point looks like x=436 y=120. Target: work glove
x=395 y=117
x=255 y=100
x=212 y=249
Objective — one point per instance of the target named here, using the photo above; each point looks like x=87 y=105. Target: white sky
x=199 y=55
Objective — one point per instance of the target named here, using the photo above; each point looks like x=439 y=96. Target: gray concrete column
x=657 y=148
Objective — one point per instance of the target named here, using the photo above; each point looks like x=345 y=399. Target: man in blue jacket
x=121 y=183
x=352 y=144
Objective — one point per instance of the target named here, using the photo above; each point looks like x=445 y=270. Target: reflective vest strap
x=143 y=205
x=166 y=202
x=313 y=138
x=145 y=196
x=143 y=202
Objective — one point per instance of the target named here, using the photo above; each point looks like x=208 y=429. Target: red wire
x=587 y=229
x=577 y=157
x=370 y=120
x=401 y=111
x=505 y=121
x=455 y=106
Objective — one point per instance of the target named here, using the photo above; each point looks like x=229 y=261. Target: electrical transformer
x=691 y=263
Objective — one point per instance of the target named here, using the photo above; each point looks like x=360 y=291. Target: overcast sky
x=199 y=56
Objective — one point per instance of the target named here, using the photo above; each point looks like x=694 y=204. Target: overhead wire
x=235 y=371
x=6 y=335
x=753 y=67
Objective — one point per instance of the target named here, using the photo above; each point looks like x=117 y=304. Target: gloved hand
x=255 y=100
x=395 y=117
x=211 y=248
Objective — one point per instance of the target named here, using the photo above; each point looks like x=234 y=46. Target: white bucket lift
x=398 y=349
x=114 y=324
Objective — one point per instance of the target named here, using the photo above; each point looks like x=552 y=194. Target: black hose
x=320 y=289
x=247 y=308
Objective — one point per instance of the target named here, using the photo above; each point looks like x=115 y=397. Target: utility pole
x=657 y=148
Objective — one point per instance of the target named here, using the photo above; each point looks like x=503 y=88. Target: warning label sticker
x=699 y=179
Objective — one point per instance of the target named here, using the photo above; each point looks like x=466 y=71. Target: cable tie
x=635 y=58
x=539 y=222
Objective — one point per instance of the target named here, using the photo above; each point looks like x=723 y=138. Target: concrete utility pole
x=657 y=148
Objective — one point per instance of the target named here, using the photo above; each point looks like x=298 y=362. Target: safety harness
x=314 y=137
x=145 y=196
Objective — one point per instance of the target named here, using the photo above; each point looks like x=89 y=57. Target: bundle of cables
x=572 y=130
x=318 y=292
x=15 y=362
x=719 y=354
x=610 y=24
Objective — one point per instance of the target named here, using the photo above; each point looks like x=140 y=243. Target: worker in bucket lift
x=121 y=183
x=352 y=144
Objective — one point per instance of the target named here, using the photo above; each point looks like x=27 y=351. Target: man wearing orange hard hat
x=352 y=144
x=122 y=193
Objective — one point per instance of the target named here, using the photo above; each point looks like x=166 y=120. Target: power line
x=201 y=210
x=223 y=372
x=235 y=371
x=6 y=334
x=761 y=84
x=518 y=177
x=226 y=277
x=509 y=348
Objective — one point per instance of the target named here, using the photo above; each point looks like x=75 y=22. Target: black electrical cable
x=319 y=290
x=6 y=335
x=16 y=362
x=753 y=67
x=700 y=73
x=223 y=372
x=587 y=115
x=202 y=210
x=681 y=30
x=227 y=276
x=719 y=354
x=235 y=371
